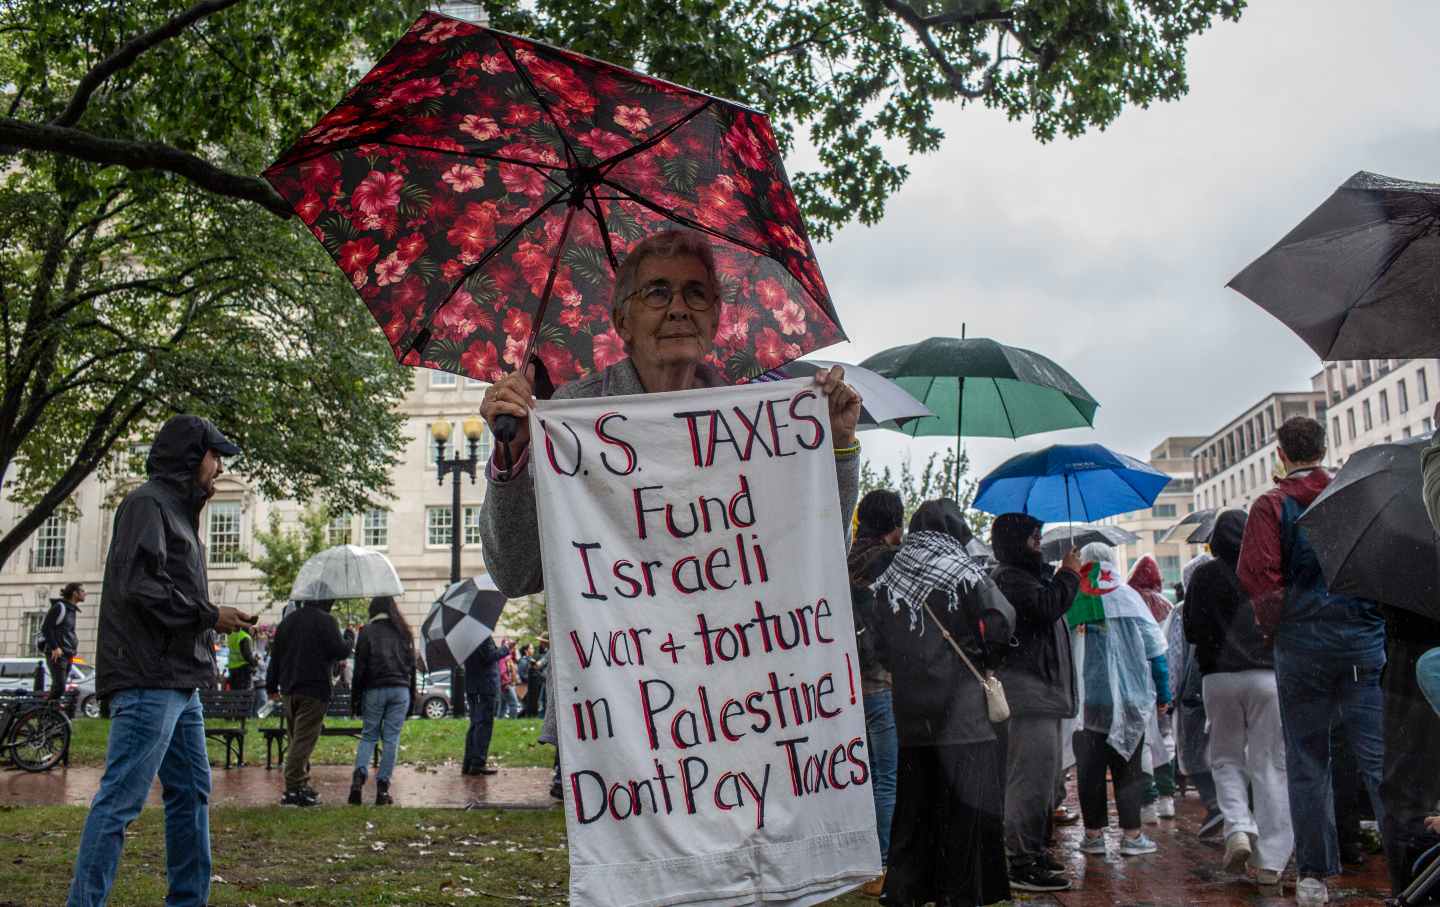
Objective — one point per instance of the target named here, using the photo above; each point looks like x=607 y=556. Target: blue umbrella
x=1070 y=482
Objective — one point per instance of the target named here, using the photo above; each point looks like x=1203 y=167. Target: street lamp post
x=453 y=467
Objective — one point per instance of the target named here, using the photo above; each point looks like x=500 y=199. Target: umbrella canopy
x=885 y=404
x=982 y=389
x=1371 y=533
x=460 y=621
x=478 y=190
x=346 y=571
x=1069 y=482
x=1197 y=527
x=1060 y=539
x=1360 y=277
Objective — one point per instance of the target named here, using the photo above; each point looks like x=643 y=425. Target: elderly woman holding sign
x=666 y=309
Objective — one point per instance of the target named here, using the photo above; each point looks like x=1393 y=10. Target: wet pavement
x=1185 y=871
x=444 y=787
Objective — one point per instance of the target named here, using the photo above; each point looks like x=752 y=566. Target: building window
x=472 y=524
x=375 y=532
x=1384 y=406
x=31 y=621
x=1162 y=510
x=1406 y=433
x=1169 y=568
x=1365 y=415
x=442 y=379
x=1422 y=386
x=337 y=531
x=223 y=533
x=437 y=526
x=1158 y=534
x=458 y=444
x=1429 y=425
x=49 y=550
x=1402 y=396
x=1335 y=427
x=1350 y=421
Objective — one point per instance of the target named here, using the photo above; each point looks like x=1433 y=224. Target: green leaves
x=589 y=263
x=680 y=172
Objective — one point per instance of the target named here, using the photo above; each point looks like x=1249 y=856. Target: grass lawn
x=422 y=742
x=312 y=858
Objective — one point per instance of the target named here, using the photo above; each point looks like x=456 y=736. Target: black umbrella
x=1360 y=277
x=460 y=621
x=1201 y=525
x=1055 y=542
x=1372 y=534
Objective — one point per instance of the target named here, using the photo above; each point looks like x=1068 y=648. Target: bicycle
x=34 y=732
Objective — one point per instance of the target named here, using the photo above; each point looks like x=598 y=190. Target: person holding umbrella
x=1329 y=654
x=1039 y=678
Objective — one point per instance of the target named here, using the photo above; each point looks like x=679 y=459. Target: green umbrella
x=982 y=389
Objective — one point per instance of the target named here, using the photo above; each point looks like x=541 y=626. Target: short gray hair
x=665 y=244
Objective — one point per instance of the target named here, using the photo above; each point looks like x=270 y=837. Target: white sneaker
x=1311 y=893
x=1134 y=847
x=1267 y=878
x=1165 y=806
x=1149 y=815
x=1237 y=851
x=1094 y=844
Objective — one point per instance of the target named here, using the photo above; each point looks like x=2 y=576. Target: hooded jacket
x=869 y=557
x=1039 y=671
x=937 y=701
x=1146 y=580
x=1219 y=620
x=155 y=608
x=1281 y=574
x=58 y=629
x=302 y=657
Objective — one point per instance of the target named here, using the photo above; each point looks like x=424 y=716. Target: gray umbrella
x=346 y=571
x=1371 y=533
x=1197 y=527
x=1060 y=539
x=1360 y=277
x=885 y=404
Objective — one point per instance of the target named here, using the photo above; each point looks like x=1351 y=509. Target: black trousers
x=59 y=673
x=242 y=678
x=1410 y=785
x=531 y=706
x=1093 y=756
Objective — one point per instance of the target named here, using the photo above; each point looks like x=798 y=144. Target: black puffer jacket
x=1039 y=672
x=1219 y=619
x=384 y=657
x=59 y=627
x=155 y=608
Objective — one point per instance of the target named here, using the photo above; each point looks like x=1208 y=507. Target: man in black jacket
x=1039 y=680
x=151 y=659
x=302 y=661
x=60 y=641
x=482 y=690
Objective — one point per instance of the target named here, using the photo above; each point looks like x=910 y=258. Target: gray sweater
x=509 y=533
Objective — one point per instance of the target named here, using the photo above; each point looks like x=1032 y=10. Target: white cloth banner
x=712 y=734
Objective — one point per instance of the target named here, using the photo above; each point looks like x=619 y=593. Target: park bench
x=228 y=705
x=277 y=738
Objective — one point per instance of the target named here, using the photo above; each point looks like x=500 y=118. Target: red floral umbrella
x=478 y=190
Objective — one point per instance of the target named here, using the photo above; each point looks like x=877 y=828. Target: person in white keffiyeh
x=947 y=837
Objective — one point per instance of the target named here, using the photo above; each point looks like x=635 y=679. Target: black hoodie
x=1219 y=619
x=1039 y=672
x=155 y=605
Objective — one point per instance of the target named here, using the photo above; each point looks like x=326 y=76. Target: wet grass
x=422 y=742
x=313 y=858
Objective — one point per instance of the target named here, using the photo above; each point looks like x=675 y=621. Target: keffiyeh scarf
x=928 y=562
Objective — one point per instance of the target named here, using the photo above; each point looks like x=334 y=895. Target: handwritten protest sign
x=712 y=735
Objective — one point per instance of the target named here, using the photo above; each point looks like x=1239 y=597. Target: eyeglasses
x=658 y=295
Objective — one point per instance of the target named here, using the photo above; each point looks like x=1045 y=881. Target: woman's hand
x=512 y=395
x=844 y=406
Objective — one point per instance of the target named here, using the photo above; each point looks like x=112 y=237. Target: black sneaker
x=1352 y=853
x=1033 y=877
x=557 y=791
x=299 y=797
x=1212 y=825
x=1049 y=863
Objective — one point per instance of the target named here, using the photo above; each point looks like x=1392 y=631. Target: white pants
x=1247 y=745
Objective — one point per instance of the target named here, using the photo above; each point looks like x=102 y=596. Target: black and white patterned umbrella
x=460 y=621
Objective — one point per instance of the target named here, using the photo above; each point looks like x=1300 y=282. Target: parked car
x=18 y=675
x=434 y=698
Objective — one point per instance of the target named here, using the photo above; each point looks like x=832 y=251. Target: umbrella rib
x=914 y=430
x=604 y=229
x=347 y=144
x=685 y=221
x=1081 y=493
x=610 y=163
x=1003 y=406
x=549 y=115
x=426 y=317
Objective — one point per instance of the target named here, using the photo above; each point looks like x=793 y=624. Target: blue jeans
x=509 y=703
x=1427 y=674
x=151 y=732
x=884 y=753
x=1318 y=691
x=385 y=711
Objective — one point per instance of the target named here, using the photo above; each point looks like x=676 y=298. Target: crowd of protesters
x=1278 y=701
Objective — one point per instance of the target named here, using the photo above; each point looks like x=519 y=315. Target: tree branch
x=129 y=52
x=133 y=155
x=921 y=25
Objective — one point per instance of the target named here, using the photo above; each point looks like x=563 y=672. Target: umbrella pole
x=1069 y=517
x=506 y=426
x=959 y=428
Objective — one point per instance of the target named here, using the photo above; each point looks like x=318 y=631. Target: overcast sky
x=1110 y=253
